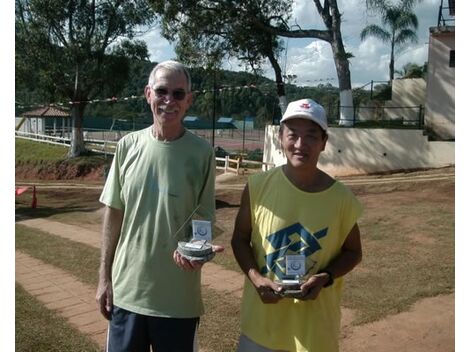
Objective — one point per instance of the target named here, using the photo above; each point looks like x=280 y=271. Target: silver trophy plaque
x=199 y=248
x=294 y=276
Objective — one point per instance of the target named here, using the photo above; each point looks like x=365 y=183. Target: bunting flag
x=114 y=99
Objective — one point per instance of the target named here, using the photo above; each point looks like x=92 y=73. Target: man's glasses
x=178 y=94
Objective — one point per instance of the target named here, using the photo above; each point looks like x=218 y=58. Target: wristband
x=330 y=277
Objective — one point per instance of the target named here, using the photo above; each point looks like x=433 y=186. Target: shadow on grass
x=25 y=212
x=220 y=204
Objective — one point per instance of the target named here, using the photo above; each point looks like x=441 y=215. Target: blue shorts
x=129 y=331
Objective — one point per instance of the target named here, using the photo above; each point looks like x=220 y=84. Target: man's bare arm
x=241 y=245
x=111 y=231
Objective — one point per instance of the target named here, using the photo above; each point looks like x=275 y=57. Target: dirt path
x=428 y=326
x=62 y=292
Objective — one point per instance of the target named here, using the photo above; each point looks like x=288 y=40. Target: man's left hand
x=312 y=287
x=190 y=265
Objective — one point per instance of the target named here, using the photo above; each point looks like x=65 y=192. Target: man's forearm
x=111 y=231
x=344 y=263
x=349 y=257
x=244 y=256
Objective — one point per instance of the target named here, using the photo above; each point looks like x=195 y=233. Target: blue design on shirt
x=294 y=239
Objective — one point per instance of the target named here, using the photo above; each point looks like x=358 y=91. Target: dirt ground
x=429 y=324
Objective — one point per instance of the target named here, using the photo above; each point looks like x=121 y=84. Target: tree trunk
x=281 y=91
x=332 y=19
x=77 y=144
x=340 y=57
x=392 y=59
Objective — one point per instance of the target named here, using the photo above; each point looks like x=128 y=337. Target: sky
x=311 y=60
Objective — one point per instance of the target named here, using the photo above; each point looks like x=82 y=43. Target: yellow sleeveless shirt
x=285 y=221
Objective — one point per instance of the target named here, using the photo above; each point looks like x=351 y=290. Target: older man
x=159 y=177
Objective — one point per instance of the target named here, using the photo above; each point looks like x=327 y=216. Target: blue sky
x=312 y=60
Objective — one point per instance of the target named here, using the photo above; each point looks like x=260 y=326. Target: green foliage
x=382 y=92
x=412 y=70
x=213 y=30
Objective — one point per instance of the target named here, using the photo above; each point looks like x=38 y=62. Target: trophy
x=199 y=246
x=293 y=277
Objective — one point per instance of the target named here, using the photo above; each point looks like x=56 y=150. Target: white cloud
x=159 y=48
x=312 y=64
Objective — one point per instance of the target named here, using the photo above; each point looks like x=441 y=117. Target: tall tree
x=250 y=29
x=204 y=29
x=78 y=48
x=331 y=16
x=400 y=26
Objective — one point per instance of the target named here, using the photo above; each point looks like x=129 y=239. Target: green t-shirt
x=158 y=185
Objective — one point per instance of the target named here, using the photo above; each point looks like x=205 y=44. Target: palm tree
x=400 y=26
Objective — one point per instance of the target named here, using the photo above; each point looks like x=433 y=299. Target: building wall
x=31 y=125
x=440 y=94
x=354 y=151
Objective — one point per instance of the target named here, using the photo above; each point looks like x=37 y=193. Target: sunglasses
x=178 y=94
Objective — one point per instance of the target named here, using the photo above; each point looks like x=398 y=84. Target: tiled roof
x=47 y=111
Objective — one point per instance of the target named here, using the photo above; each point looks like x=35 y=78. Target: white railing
x=236 y=165
x=109 y=147
x=95 y=145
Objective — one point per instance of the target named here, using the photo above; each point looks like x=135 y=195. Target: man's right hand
x=268 y=290
x=104 y=298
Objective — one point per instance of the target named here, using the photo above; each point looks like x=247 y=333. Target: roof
x=225 y=120
x=47 y=111
x=206 y=124
x=190 y=118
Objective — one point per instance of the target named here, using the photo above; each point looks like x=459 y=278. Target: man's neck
x=308 y=180
x=167 y=134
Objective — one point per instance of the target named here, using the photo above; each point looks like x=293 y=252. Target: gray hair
x=172 y=66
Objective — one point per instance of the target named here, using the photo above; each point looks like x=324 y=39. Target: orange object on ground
x=21 y=190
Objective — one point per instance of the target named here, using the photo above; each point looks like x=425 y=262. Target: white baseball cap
x=306 y=109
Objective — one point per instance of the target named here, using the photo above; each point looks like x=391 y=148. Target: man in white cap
x=297 y=213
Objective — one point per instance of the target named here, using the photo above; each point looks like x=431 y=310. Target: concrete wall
x=354 y=151
x=410 y=92
x=440 y=101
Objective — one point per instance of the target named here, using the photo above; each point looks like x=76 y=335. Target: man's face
x=302 y=141
x=169 y=98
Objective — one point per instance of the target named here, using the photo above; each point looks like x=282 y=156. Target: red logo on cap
x=305 y=106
